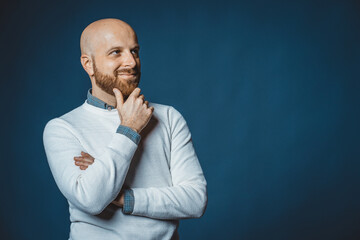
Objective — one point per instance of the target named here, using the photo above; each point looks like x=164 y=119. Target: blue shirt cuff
x=129 y=201
x=134 y=136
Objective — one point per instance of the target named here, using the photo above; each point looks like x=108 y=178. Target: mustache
x=127 y=71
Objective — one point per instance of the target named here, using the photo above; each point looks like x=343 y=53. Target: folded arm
x=187 y=198
x=85 y=160
x=91 y=190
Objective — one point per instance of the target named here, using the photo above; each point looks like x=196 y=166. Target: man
x=126 y=166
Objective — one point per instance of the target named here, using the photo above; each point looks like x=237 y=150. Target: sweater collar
x=92 y=100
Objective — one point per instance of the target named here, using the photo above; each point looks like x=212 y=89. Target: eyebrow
x=120 y=48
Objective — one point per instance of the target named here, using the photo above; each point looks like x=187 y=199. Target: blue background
x=270 y=91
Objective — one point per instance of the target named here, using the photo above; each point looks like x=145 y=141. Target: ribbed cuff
x=134 y=136
x=129 y=201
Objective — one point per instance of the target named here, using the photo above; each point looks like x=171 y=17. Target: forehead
x=118 y=36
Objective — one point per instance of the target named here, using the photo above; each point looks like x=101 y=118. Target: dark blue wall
x=270 y=90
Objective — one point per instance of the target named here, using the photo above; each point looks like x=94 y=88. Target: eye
x=116 y=52
x=135 y=51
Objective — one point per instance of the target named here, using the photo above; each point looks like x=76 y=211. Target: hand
x=119 y=200
x=84 y=161
x=134 y=112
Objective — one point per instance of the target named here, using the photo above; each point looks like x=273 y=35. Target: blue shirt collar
x=97 y=102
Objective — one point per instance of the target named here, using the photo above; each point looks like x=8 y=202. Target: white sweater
x=163 y=171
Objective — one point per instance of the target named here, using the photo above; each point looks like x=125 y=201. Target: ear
x=87 y=64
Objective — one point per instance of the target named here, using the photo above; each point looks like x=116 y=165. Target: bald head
x=110 y=56
x=100 y=32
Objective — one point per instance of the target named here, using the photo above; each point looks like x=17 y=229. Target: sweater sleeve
x=91 y=190
x=187 y=198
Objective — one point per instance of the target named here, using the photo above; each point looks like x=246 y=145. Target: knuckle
x=139 y=100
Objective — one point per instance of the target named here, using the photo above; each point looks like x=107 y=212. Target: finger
x=86 y=155
x=83 y=168
x=87 y=159
x=119 y=97
x=142 y=97
x=81 y=159
x=82 y=163
x=135 y=93
x=146 y=103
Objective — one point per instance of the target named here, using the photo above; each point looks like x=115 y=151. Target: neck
x=103 y=96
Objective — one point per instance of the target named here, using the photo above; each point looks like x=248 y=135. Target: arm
x=187 y=198
x=85 y=160
x=91 y=190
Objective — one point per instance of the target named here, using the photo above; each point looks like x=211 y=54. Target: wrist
x=129 y=126
x=128 y=201
x=119 y=200
x=129 y=132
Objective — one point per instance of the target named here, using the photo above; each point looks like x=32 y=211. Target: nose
x=129 y=60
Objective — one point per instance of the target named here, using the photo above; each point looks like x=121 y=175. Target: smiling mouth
x=127 y=74
x=128 y=77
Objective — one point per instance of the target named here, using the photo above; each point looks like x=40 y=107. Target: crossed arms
x=94 y=189
x=84 y=161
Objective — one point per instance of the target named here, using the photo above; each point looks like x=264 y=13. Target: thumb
x=119 y=97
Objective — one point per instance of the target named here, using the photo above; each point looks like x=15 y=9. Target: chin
x=126 y=86
x=126 y=91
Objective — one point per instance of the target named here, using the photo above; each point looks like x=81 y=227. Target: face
x=116 y=63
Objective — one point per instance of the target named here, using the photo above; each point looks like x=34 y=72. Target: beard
x=107 y=82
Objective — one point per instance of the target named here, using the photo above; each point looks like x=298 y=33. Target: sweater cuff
x=134 y=136
x=129 y=201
